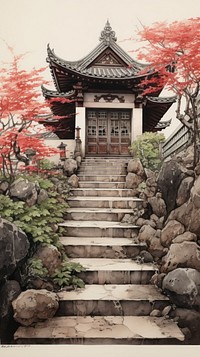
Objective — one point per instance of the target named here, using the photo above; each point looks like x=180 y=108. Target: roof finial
x=107 y=35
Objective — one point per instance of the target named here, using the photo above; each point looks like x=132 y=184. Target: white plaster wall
x=81 y=122
x=136 y=123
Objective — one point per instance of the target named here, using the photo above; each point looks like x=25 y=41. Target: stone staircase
x=116 y=304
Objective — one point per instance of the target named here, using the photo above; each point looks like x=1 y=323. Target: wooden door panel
x=108 y=131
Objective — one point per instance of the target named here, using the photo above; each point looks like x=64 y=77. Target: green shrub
x=147 y=148
x=67 y=275
x=39 y=222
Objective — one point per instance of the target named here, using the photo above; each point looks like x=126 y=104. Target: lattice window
x=102 y=127
x=125 y=115
x=125 y=128
x=102 y=115
x=91 y=114
x=114 y=115
x=114 y=128
x=92 y=128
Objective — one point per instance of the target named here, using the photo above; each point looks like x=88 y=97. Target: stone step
x=102 y=170
x=102 y=300
x=97 y=184
x=99 y=229
x=105 y=202
x=106 y=192
x=97 y=165
x=95 y=247
x=104 y=163
x=96 y=214
x=101 y=178
x=128 y=330
x=114 y=271
x=107 y=159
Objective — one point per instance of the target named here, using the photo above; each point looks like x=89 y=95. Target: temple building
x=100 y=95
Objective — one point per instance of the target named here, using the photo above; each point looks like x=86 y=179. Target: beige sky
x=72 y=27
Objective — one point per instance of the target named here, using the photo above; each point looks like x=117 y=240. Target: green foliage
x=37 y=221
x=45 y=164
x=147 y=148
x=8 y=207
x=43 y=182
x=35 y=268
x=66 y=275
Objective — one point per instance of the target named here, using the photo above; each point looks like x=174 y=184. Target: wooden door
x=108 y=132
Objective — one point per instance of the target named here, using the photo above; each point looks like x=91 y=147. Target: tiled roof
x=129 y=69
x=161 y=100
x=163 y=124
x=55 y=94
x=154 y=110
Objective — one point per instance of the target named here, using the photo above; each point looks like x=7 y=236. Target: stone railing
x=176 y=142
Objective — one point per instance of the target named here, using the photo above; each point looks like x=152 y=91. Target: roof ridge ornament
x=107 y=35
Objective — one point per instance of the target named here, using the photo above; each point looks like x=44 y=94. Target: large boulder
x=158 y=205
x=183 y=193
x=133 y=180
x=186 y=236
x=170 y=231
x=9 y=292
x=169 y=179
x=183 y=287
x=155 y=247
x=42 y=196
x=32 y=306
x=135 y=166
x=73 y=181
x=50 y=257
x=195 y=193
x=14 y=246
x=70 y=167
x=22 y=189
x=182 y=214
x=146 y=233
x=187 y=157
x=151 y=183
x=186 y=254
x=188 y=215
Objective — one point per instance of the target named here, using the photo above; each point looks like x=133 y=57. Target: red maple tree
x=173 y=51
x=20 y=108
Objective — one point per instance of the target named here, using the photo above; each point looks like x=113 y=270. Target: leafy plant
x=67 y=275
x=37 y=221
x=147 y=148
x=45 y=164
x=8 y=207
x=35 y=268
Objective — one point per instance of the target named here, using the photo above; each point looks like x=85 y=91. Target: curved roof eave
x=85 y=61
x=54 y=93
x=51 y=53
x=162 y=100
x=78 y=72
